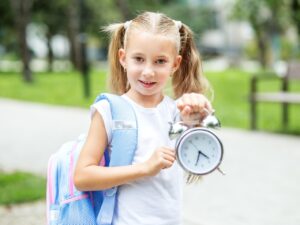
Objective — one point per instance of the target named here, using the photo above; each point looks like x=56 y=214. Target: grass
x=51 y=88
x=232 y=88
x=21 y=187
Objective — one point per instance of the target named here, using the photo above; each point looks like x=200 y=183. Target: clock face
x=199 y=151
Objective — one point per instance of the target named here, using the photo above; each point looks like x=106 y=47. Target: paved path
x=262 y=185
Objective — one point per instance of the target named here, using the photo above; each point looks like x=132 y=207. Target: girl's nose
x=148 y=71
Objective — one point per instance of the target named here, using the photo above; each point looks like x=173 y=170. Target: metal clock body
x=199 y=151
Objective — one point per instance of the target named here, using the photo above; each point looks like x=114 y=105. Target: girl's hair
x=187 y=78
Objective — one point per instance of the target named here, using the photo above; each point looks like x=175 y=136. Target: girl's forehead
x=146 y=39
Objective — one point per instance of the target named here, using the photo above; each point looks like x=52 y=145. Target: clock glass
x=199 y=151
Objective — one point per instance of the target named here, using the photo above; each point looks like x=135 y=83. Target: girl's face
x=149 y=60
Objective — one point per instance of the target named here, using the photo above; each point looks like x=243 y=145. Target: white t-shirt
x=152 y=200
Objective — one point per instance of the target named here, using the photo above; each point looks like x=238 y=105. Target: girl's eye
x=161 y=61
x=138 y=59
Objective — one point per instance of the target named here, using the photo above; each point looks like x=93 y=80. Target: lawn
x=21 y=187
x=232 y=88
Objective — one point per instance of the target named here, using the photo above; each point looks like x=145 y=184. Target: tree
x=198 y=17
x=295 y=13
x=7 y=29
x=52 y=14
x=124 y=9
x=21 y=10
x=268 y=19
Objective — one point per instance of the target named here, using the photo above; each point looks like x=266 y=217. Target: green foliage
x=20 y=187
x=288 y=50
x=199 y=18
x=7 y=25
x=268 y=18
x=250 y=50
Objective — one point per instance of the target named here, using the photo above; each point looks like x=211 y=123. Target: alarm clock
x=199 y=150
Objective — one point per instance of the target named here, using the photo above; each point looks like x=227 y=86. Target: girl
x=144 y=53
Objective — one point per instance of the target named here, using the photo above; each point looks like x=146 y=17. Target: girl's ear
x=122 y=57
x=177 y=62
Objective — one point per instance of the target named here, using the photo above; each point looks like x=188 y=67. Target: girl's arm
x=89 y=176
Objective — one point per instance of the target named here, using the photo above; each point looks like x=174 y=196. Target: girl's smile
x=147 y=84
x=149 y=59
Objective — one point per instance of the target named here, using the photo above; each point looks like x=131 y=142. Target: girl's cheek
x=133 y=70
x=137 y=68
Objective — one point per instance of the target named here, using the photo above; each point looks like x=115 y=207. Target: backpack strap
x=124 y=143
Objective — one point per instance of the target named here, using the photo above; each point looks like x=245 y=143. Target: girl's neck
x=147 y=101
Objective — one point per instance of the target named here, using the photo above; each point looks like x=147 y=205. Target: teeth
x=145 y=82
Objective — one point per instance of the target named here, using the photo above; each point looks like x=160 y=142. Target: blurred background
x=54 y=53
x=49 y=49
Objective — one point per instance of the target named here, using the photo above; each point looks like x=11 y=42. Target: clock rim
x=187 y=132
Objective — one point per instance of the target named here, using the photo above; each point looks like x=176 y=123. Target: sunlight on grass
x=20 y=187
x=52 y=88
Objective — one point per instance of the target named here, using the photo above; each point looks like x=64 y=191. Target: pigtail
x=117 y=78
x=189 y=76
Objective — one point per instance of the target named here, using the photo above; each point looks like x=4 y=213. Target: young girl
x=144 y=53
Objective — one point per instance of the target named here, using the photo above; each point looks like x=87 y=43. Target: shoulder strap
x=124 y=143
x=124 y=134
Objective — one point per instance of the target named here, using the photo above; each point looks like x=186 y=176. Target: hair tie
x=127 y=24
x=178 y=24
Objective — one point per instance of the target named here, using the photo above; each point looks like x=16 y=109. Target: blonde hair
x=188 y=77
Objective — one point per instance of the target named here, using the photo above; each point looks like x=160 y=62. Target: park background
x=54 y=52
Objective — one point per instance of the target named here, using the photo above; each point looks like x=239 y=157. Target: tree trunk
x=262 y=41
x=295 y=8
x=73 y=32
x=50 y=51
x=21 y=9
x=262 y=48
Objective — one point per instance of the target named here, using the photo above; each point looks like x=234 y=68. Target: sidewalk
x=261 y=186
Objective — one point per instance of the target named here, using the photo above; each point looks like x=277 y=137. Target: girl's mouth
x=147 y=84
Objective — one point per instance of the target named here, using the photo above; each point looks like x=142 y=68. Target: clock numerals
x=199 y=152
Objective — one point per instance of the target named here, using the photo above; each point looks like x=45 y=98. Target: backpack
x=68 y=206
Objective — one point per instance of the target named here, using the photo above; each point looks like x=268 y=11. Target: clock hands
x=204 y=155
x=199 y=153
x=198 y=157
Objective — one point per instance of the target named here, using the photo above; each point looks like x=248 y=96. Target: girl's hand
x=162 y=158
x=193 y=106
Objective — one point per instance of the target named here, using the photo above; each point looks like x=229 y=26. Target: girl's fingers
x=180 y=104
x=187 y=110
x=167 y=165
x=169 y=159
x=169 y=154
x=169 y=151
x=193 y=103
